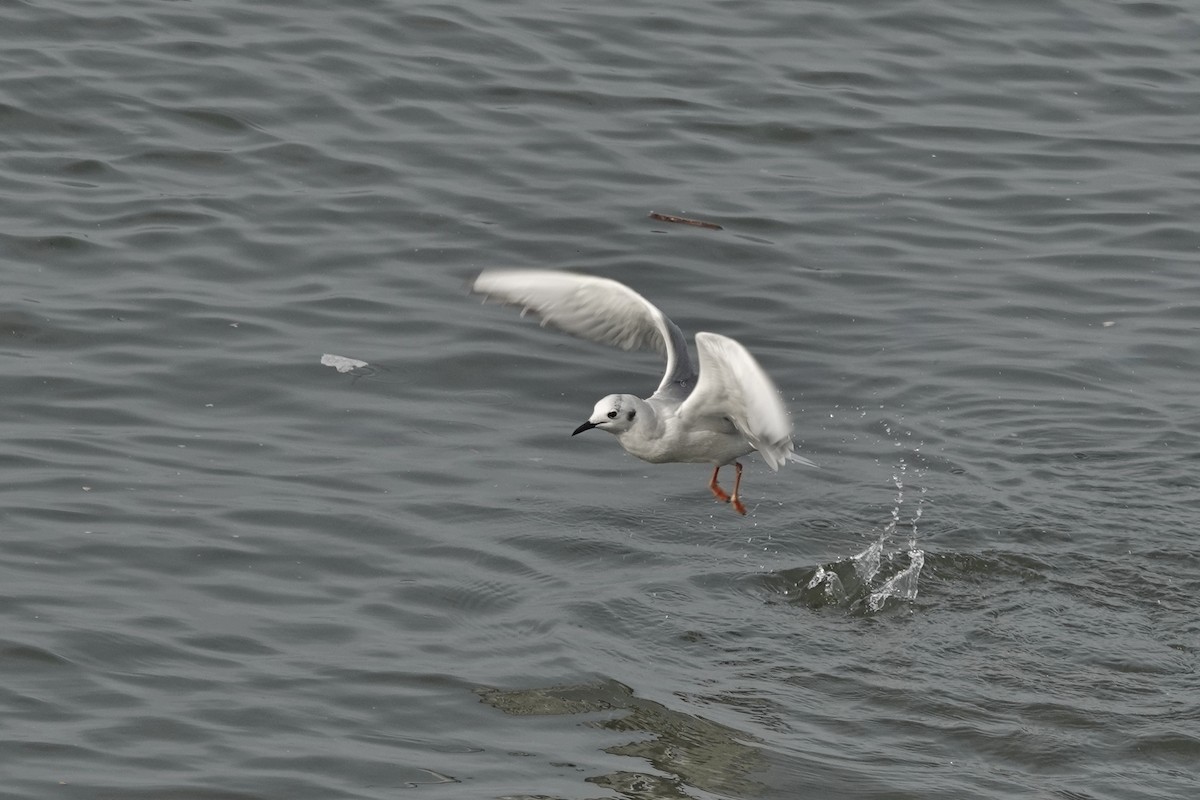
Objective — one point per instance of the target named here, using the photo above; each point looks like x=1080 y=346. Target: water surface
x=960 y=237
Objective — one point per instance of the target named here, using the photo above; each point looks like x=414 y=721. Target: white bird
x=727 y=409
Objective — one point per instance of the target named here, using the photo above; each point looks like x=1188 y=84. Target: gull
x=726 y=408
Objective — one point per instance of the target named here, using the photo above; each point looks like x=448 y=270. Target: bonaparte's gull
x=727 y=409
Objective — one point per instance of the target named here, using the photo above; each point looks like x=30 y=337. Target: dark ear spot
x=631 y=415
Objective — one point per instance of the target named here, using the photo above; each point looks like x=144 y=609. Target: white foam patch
x=341 y=363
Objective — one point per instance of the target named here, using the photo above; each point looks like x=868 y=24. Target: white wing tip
x=799 y=459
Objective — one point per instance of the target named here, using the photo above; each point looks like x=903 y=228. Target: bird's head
x=616 y=414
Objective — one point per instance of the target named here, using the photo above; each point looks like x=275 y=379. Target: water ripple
x=961 y=239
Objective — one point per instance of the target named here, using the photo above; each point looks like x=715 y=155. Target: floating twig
x=699 y=223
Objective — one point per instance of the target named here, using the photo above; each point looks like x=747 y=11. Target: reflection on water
x=691 y=751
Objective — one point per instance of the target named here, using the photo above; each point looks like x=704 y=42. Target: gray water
x=962 y=237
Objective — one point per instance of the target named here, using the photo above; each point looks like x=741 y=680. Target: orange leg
x=717 y=491
x=737 y=484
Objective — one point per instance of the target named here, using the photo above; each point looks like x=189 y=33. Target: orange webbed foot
x=724 y=496
x=737 y=484
x=717 y=491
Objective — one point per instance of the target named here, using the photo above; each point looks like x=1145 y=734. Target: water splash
x=903 y=584
x=866 y=563
x=864 y=579
x=834 y=589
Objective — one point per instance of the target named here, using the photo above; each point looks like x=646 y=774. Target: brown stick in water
x=699 y=223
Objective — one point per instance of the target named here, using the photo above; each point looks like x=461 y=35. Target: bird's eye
x=631 y=415
x=612 y=415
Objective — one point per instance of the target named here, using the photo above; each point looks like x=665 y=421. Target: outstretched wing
x=732 y=385
x=599 y=309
